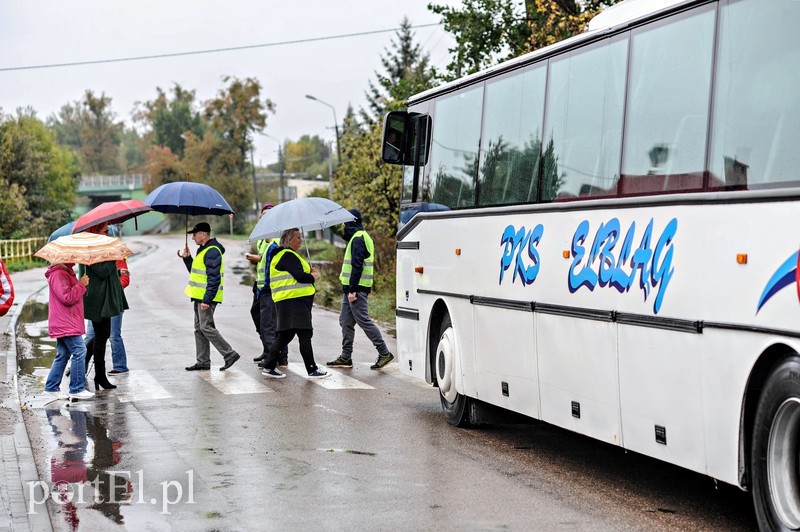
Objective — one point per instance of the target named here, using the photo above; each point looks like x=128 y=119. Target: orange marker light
x=419 y=269
x=565 y=253
x=458 y=251
x=741 y=258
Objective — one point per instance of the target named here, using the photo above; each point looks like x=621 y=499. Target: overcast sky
x=46 y=32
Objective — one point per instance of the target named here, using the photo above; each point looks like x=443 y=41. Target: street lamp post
x=335 y=125
x=281 y=165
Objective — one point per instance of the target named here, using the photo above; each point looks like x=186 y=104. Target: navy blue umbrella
x=186 y=197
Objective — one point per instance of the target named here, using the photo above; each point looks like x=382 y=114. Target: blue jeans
x=118 y=355
x=65 y=347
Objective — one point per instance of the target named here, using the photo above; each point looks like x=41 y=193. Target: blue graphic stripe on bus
x=783 y=277
x=519 y=244
x=652 y=266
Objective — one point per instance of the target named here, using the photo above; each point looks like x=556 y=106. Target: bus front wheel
x=454 y=405
x=775 y=459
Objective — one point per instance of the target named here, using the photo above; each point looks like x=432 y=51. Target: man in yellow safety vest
x=356 y=279
x=206 y=282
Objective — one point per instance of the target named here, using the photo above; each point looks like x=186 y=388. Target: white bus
x=603 y=235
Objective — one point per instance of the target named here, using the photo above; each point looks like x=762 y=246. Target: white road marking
x=139 y=385
x=337 y=380
x=233 y=381
x=394 y=370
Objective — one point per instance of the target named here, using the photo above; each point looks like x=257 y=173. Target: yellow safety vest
x=198 y=278
x=347 y=265
x=261 y=268
x=283 y=285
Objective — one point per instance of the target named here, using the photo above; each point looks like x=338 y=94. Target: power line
x=210 y=51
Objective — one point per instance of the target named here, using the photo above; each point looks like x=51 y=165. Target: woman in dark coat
x=103 y=300
x=291 y=281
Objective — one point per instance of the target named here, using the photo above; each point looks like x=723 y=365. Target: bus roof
x=609 y=21
x=628 y=11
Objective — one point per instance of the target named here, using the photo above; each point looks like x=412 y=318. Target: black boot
x=100 y=378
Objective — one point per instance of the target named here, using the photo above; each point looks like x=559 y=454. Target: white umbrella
x=83 y=248
x=307 y=214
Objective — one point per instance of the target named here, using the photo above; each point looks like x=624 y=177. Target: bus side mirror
x=395 y=136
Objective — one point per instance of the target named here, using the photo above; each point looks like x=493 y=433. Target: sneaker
x=85 y=394
x=272 y=374
x=57 y=395
x=319 y=374
x=117 y=371
x=340 y=362
x=382 y=361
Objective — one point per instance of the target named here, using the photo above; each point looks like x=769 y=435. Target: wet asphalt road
x=363 y=450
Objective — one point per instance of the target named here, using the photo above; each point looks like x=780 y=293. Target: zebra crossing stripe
x=394 y=370
x=140 y=385
x=233 y=381
x=337 y=380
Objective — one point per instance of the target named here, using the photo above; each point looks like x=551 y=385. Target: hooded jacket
x=359 y=253
x=65 y=311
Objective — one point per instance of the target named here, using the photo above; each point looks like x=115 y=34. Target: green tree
x=406 y=71
x=38 y=178
x=367 y=183
x=217 y=151
x=362 y=179
x=309 y=155
x=234 y=116
x=168 y=119
x=489 y=31
x=132 y=151
x=91 y=128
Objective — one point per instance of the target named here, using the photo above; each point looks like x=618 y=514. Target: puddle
x=35 y=349
x=81 y=452
x=80 y=447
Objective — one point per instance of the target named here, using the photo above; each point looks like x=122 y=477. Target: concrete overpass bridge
x=97 y=189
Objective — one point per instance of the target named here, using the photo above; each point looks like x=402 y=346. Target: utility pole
x=255 y=187
x=282 y=167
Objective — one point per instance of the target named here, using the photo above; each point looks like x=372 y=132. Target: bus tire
x=454 y=405
x=775 y=456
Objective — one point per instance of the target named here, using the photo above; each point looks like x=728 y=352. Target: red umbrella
x=111 y=212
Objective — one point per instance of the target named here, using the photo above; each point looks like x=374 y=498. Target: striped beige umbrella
x=83 y=248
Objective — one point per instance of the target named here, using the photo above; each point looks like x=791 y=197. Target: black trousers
x=283 y=339
x=97 y=349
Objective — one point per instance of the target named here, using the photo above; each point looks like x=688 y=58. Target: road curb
x=18 y=464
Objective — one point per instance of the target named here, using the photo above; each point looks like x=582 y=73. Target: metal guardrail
x=129 y=181
x=19 y=250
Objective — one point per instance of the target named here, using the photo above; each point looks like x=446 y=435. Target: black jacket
x=213 y=262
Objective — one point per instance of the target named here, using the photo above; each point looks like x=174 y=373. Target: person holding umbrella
x=263 y=309
x=66 y=324
x=206 y=282
x=104 y=299
x=291 y=281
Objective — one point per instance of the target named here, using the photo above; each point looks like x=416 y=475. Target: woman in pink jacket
x=65 y=320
